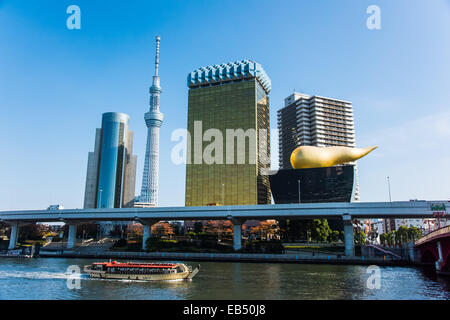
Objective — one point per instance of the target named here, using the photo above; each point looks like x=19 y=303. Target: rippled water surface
x=47 y=278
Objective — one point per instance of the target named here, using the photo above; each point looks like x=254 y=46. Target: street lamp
x=299 y=191
x=100 y=198
x=223 y=194
x=389 y=188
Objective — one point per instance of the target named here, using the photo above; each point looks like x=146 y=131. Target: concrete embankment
x=231 y=257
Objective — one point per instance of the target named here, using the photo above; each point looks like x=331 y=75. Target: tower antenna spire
x=158 y=39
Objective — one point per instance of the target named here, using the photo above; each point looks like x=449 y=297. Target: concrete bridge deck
x=236 y=214
x=397 y=209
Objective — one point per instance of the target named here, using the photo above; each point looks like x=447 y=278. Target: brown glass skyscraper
x=233 y=99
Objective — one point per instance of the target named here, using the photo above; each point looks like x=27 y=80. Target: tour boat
x=140 y=271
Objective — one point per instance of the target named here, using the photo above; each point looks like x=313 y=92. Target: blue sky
x=55 y=83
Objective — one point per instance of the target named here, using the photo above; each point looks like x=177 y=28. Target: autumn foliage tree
x=265 y=230
x=135 y=230
x=219 y=227
x=162 y=229
x=35 y=231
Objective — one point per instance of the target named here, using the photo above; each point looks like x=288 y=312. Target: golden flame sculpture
x=317 y=157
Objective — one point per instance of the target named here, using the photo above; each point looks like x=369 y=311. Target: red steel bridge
x=435 y=248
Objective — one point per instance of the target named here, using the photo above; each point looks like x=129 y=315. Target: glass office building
x=232 y=100
x=111 y=172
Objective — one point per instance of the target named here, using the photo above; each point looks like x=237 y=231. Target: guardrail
x=384 y=250
x=231 y=257
x=433 y=235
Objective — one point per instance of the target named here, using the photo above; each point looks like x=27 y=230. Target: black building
x=328 y=184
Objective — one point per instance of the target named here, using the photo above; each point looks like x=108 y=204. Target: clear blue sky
x=55 y=83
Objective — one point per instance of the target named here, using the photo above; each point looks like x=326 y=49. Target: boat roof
x=137 y=265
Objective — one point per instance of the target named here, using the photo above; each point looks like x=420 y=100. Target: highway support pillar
x=14 y=235
x=348 y=235
x=439 y=262
x=147 y=232
x=72 y=237
x=237 y=233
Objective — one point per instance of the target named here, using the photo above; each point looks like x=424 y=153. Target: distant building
x=144 y=205
x=55 y=207
x=378 y=226
x=389 y=225
x=417 y=223
x=111 y=171
x=231 y=96
x=422 y=224
x=431 y=224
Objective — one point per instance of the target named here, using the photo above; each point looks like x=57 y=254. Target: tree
x=388 y=238
x=360 y=237
x=383 y=238
x=291 y=229
x=154 y=244
x=219 y=228
x=118 y=230
x=401 y=235
x=316 y=230
x=135 y=230
x=265 y=230
x=87 y=230
x=198 y=227
x=176 y=229
x=161 y=229
x=34 y=231
x=4 y=228
x=373 y=233
x=334 y=236
x=320 y=230
x=414 y=233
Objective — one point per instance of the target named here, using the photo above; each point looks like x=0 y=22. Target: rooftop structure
x=229 y=72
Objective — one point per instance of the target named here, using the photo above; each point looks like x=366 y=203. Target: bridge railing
x=433 y=235
x=384 y=250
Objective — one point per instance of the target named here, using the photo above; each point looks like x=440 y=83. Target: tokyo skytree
x=153 y=120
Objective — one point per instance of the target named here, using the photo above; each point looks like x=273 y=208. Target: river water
x=48 y=278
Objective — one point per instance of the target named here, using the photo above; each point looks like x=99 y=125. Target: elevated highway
x=236 y=214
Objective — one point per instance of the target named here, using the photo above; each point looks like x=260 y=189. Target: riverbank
x=232 y=257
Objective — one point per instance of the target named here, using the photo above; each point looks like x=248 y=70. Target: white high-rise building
x=315 y=121
x=153 y=120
